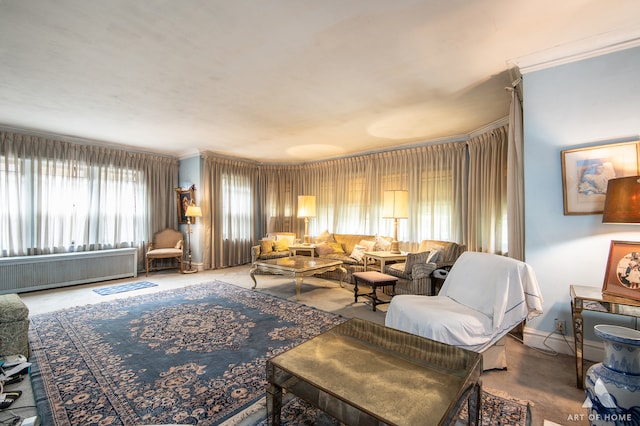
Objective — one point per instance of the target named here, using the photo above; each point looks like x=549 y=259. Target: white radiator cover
x=28 y=273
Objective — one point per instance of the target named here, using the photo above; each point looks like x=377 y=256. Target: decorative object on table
x=622 y=276
x=183 y=201
x=586 y=171
x=191 y=355
x=306 y=209
x=613 y=386
x=395 y=206
x=192 y=212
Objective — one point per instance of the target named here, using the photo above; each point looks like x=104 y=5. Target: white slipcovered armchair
x=483 y=297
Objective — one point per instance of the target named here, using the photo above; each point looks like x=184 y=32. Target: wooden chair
x=166 y=244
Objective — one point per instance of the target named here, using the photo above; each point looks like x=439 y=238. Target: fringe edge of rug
x=257 y=410
x=505 y=395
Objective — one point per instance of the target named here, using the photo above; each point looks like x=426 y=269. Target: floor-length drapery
x=229 y=190
x=487 y=186
x=60 y=196
x=515 y=176
x=278 y=189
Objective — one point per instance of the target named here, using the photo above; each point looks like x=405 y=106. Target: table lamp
x=306 y=209
x=395 y=206
x=622 y=201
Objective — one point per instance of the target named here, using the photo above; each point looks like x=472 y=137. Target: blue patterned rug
x=497 y=409
x=194 y=355
x=121 y=288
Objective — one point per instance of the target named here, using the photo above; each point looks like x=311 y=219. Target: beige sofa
x=344 y=249
x=273 y=246
x=414 y=275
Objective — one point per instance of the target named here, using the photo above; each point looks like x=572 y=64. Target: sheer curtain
x=487 y=186
x=59 y=196
x=457 y=192
x=229 y=191
x=349 y=192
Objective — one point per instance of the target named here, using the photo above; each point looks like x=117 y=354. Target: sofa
x=14 y=326
x=273 y=246
x=415 y=274
x=349 y=249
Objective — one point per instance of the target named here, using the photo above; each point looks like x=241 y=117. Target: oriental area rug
x=194 y=355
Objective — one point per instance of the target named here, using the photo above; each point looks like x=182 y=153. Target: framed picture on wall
x=586 y=172
x=622 y=276
x=183 y=199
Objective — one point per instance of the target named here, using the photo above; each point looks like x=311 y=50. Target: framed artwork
x=622 y=277
x=586 y=171
x=183 y=199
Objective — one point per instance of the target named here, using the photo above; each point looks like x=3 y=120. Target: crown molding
x=577 y=51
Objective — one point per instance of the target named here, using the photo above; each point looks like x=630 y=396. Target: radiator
x=28 y=273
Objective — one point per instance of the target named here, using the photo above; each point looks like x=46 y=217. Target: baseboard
x=592 y=350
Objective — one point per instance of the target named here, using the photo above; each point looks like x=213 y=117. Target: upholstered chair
x=166 y=244
x=483 y=297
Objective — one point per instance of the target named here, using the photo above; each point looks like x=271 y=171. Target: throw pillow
x=434 y=256
x=289 y=238
x=282 y=245
x=324 y=237
x=358 y=252
x=413 y=258
x=266 y=246
x=337 y=247
x=382 y=244
x=369 y=245
x=323 y=249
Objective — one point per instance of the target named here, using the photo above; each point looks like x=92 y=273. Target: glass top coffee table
x=297 y=267
x=363 y=373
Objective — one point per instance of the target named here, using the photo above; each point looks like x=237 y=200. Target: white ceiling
x=284 y=80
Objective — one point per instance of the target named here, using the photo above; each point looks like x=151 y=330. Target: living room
x=576 y=103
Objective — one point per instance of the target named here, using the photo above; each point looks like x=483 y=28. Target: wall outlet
x=560 y=325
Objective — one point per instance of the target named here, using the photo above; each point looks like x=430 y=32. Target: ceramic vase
x=613 y=386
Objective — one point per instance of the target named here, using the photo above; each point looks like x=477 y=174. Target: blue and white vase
x=613 y=386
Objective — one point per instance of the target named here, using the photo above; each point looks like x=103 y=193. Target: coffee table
x=297 y=267
x=363 y=373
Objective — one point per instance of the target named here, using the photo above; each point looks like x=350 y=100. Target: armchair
x=166 y=244
x=415 y=275
x=483 y=297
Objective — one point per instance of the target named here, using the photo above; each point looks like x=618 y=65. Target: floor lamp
x=395 y=206
x=306 y=209
x=193 y=211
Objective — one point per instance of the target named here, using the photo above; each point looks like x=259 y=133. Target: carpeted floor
x=192 y=355
x=497 y=409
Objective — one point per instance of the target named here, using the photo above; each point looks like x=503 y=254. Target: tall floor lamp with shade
x=306 y=209
x=193 y=211
x=395 y=206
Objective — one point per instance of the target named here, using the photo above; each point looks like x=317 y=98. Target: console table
x=585 y=298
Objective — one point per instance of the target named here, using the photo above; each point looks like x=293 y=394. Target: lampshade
x=622 y=202
x=193 y=211
x=306 y=206
x=395 y=204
